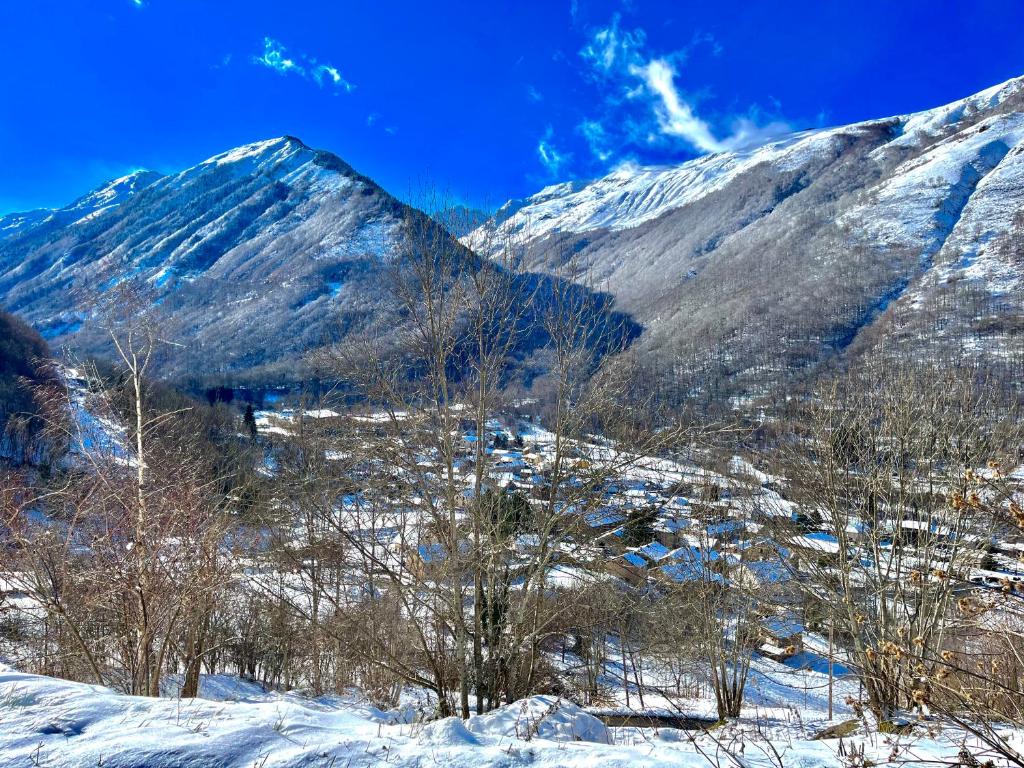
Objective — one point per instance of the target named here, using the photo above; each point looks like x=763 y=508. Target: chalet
x=689 y=564
x=630 y=567
x=605 y=519
x=817 y=547
x=728 y=530
x=782 y=637
x=671 y=530
x=753 y=549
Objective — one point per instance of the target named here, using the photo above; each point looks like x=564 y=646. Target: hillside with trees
x=23 y=359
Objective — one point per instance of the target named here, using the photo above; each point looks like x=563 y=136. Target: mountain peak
x=279 y=157
x=260 y=151
x=278 y=236
x=115 y=191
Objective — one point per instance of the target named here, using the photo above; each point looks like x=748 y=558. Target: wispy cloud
x=550 y=157
x=325 y=73
x=597 y=139
x=675 y=116
x=611 y=48
x=644 y=105
x=374 y=118
x=275 y=56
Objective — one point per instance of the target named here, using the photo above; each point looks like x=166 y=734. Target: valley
x=709 y=453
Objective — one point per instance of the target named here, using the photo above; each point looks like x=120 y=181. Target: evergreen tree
x=639 y=528
x=250 y=420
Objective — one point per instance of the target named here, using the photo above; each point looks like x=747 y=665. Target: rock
x=845 y=728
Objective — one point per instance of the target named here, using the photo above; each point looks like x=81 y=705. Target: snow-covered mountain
x=742 y=267
x=251 y=257
x=632 y=195
x=91 y=205
x=805 y=239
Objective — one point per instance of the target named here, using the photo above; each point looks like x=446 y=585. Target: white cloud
x=597 y=139
x=611 y=48
x=551 y=158
x=643 y=104
x=326 y=73
x=675 y=116
x=275 y=57
x=747 y=133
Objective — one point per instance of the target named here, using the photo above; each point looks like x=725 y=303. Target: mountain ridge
x=744 y=268
x=814 y=237
x=248 y=260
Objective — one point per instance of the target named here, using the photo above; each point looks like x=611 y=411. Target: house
x=670 y=529
x=630 y=567
x=428 y=558
x=690 y=564
x=758 y=575
x=605 y=519
x=815 y=547
x=782 y=637
x=753 y=549
x=653 y=552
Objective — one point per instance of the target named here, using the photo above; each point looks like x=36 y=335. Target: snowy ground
x=48 y=722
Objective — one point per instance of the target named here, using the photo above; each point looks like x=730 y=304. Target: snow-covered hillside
x=274 y=235
x=89 y=206
x=766 y=259
x=632 y=195
x=777 y=257
x=249 y=259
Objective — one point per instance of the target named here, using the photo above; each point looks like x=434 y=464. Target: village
x=658 y=525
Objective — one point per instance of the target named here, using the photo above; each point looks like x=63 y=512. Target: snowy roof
x=634 y=559
x=654 y=551
x=767 y=571
x=782 y=626
x=690 y=571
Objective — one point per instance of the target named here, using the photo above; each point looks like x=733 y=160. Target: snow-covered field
x=48 y=722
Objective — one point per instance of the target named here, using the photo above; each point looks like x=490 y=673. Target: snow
x=957 y=197
x=322 y=413
x=930 y=121
x=278 y=148
x=818 y=542
x=923 y=199
x=13 y=223
x=632 y=195
x=86 y=208
x=544 y=717
x=60 y=724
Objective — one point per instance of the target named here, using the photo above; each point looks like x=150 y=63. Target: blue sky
x=484 y=100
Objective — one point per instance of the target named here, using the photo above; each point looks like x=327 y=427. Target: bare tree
x=884 y=544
